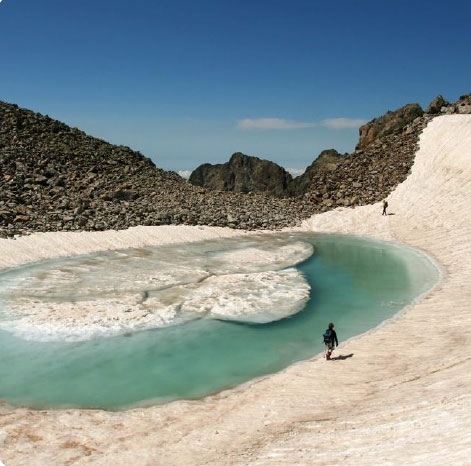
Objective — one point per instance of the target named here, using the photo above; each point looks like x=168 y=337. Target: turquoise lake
x=355 y=282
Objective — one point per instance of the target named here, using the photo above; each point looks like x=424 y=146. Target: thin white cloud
x=283 y=124
x=343 y=123
x=273 y=123
x=184 y=173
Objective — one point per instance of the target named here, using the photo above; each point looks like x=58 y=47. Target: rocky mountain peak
x=243 y=173
x=390 y=123
x=326 y=161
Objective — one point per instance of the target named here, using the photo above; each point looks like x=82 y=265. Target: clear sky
x=192 y=81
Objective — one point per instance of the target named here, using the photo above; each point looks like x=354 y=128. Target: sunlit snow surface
x=110 y=293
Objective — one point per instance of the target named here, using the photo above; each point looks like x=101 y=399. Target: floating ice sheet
x=117 y=292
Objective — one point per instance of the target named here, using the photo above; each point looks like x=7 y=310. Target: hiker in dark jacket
x=330 y=340
x=385 y=206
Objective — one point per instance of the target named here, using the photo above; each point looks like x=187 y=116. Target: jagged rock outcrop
x=390 y=123
x=436 y=105
x=440 y=106
x=464 y=104
x=327 y=161
x=243 y=173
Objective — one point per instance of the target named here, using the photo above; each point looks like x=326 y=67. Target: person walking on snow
x=385 y=206
x=330 y=340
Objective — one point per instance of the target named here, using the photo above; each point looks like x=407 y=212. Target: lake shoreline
x=358 y=284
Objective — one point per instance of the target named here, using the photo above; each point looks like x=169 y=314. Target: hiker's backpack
x=327 y=336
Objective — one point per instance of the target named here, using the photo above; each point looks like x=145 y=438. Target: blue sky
x=187 y=82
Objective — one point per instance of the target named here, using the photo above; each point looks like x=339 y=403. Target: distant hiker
x=330 y=340
x=385 y=206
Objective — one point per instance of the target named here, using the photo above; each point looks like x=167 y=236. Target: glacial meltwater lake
x=183 y=321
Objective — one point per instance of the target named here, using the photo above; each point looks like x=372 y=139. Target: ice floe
x=117 y=292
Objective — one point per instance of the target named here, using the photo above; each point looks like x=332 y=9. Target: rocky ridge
x=57 y=178
x=373 y=171
x=389 y=123
x=381 y=161
x=394 y=122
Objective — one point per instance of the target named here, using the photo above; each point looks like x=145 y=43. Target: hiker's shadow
x=341 y=357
